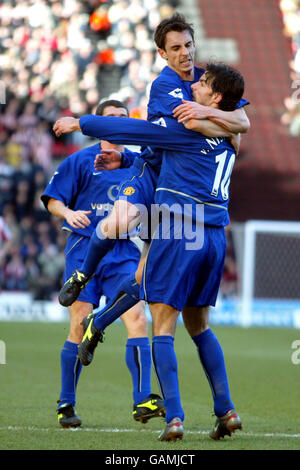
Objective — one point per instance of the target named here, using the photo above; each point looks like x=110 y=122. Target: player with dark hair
x=173 y=87
x=81 y=196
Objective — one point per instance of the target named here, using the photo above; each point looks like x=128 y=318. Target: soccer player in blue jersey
x=225 y=423
x=81 y=196
x=175 y=41
x=198 y=177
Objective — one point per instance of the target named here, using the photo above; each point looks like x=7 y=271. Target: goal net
x=268 y=264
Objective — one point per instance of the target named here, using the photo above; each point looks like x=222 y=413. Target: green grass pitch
x=264 y=386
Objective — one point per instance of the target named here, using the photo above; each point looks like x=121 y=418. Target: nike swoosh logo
x=98 y=173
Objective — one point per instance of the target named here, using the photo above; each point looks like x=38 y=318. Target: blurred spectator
x=291 y=20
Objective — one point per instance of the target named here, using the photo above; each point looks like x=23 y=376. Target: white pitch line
x=117 y=430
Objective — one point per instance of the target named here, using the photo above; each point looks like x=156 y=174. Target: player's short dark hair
x=115 y=103
x=228 y=81
x=177 y=22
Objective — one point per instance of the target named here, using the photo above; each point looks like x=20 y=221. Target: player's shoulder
x=166 y=76
x=82 y=155
x=87 y=152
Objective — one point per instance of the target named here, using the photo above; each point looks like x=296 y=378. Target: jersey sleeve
x=242 y=103
x=128 y=158
x=165 y=96
x=172 y=136
x=64 y=183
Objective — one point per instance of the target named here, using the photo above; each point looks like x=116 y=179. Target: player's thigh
x=123 y=218
x=208 y=275
x=140 y=268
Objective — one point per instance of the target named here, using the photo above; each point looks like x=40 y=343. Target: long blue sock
x=212 y=359
x=127 y=297
x=138 y=360
x=97 y=249
x=70 y=372
x=165 y=365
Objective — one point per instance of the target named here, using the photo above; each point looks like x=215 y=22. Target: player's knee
x=196 y=319
x=164 y=318
x=136 y=321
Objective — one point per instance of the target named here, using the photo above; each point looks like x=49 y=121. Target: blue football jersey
x=195 y=168
x=80 y=187
x=167 y=92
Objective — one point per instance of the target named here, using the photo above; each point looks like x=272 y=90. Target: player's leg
x=208 y=275
x=127 y=296
x=138 y=359
x=71 y=366
x=164 y=318
x=123 y=218
x=196 y=320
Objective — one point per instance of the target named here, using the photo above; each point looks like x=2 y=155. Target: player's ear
x=217 y=98
x=162 y=53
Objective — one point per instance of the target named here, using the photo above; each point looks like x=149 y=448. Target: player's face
x=179 y=52
x=203 y=93
x=114 y=112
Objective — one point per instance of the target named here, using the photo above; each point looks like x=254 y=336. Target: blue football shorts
x=179 y=276
x=120 y=262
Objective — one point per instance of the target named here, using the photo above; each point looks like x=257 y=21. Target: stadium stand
x=60 y=57
x=266 y=179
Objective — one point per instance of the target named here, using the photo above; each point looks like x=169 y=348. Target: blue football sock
x=70 y=372
x=165 y=365
x=138 y=360
x=97 y=249
x=127 y=297
x=212 y=359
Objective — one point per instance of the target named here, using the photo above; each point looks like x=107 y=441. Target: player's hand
x=78 y=219
x=65 y=125
x=109 y=159
x=190 y=110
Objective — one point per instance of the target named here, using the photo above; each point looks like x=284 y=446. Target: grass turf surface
x=264 y=386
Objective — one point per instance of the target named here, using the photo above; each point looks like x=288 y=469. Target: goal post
x=268 y=264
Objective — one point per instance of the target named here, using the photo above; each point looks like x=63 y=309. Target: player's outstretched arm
x=77 y=219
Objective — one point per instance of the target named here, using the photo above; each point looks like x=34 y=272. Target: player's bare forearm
x=234 y=121
x=207 y=128
x=66 y=125
x=77 y=219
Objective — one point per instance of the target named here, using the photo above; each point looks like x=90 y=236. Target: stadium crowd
x=52 y=57
x=291 y=19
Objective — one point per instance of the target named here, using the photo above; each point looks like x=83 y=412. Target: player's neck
x=187 y=76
